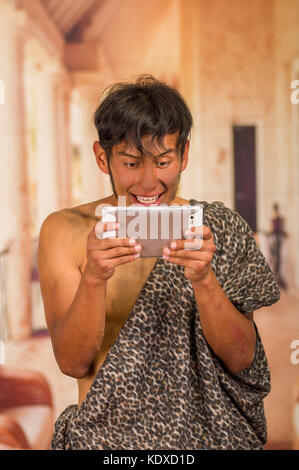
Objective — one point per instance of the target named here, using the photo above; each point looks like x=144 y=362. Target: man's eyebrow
x=125 y=154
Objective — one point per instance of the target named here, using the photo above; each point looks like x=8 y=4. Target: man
x=277 y=237
x=165 y=350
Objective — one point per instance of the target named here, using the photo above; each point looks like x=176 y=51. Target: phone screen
x=154 y=226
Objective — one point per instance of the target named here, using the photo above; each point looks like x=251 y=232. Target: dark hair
x=131 y=111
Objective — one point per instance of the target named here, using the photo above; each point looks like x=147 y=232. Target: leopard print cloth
x=161 y=386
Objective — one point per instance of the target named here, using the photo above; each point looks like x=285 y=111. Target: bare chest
x=123 y=289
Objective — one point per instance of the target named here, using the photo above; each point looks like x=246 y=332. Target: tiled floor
x=36 y=354
x=278 y=326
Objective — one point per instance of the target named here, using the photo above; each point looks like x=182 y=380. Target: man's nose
x=148 y=178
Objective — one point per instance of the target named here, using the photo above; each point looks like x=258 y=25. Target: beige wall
x=238 y=65
x=232 y=60
x=236 y=88
x=286 y=20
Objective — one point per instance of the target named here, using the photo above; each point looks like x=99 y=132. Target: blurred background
x=237 y=64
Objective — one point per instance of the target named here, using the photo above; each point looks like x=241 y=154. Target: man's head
x=146 y=119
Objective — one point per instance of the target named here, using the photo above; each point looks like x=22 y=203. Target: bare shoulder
x=180 y=201
x=64 y=233
x=64 y=225
x=73 y=222
x=87 y=214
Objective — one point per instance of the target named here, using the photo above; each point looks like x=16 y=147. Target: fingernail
x=173 y=245
x=136 y=255
x=167 y=251
x=138 y=248
x=166 y=257
x=132 y=241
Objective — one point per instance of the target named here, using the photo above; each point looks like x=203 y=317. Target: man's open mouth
x=147 y=200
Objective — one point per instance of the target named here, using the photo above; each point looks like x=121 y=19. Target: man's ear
x=101 y=157
x=185 y=156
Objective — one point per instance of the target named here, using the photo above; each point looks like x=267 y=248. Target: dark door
x=244 y=172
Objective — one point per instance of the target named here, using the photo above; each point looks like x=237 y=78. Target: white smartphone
x=155 y=226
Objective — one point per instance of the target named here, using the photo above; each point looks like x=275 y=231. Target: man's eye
x=131 y=164
x=162 y=164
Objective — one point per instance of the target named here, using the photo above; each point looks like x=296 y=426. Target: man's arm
x=230 y=334
x=74 y=305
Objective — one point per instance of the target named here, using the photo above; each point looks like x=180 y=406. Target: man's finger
x=102 y=227
x=114 y=262
x=195 y=244
x=201 y=231
x=198 y=230
x=196 y=255
x=120 y=251
x=187 y=263
x=108 y=243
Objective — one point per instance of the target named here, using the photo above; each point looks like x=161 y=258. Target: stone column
x=94 y=182
x=47 y=145
x=14 y=214
x=63 y=141
x=190 y=85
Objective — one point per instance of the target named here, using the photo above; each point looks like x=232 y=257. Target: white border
x=2 y=92
x=295 y=168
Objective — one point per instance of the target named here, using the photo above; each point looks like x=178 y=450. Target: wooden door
x=245 y=173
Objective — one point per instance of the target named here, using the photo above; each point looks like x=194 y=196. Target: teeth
x=147 y=200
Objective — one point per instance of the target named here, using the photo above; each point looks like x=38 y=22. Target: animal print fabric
x=161 y=386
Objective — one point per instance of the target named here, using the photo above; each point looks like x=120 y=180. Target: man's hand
x=228 y=332
x=103 y=255
x=196 y=262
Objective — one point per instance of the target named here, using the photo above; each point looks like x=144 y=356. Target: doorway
x=245 y=173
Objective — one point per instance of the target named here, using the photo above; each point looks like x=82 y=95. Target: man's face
x=148 y=179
